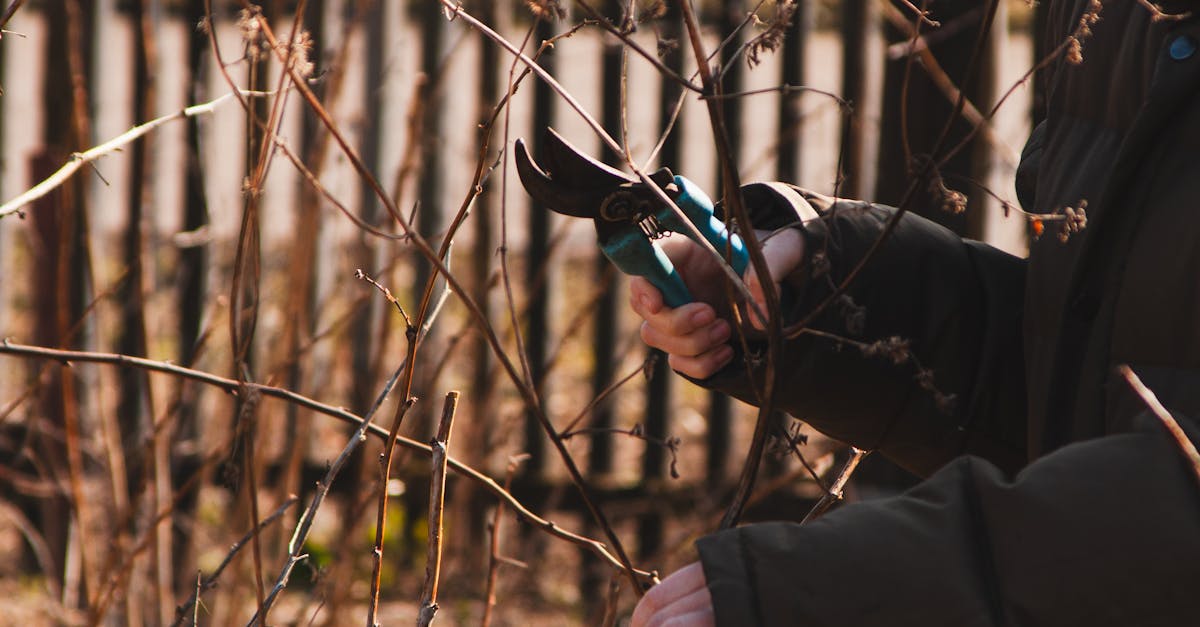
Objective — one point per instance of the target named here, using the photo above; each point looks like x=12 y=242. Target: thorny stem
x=387 y=294
x=246 y=257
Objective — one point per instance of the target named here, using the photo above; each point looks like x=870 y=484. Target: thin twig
x=1158 y=15
x=37 y=542
x=66 y=357
x=457 y=11
x=193 y=601
x=528 y=394
x=834 y=494
x=304 y=525
x=645 y=366
x=387 y=294
x=1186 y=448
x=80 y=159
x=945 y=84
x=671 y=444
x=629 y=43
x=494 y=558
x=8 y=14
x=782 y=89
x=736 y=208
x=610 y=604
x=437 y=504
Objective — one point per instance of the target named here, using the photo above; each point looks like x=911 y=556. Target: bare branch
x=437 y=504
x=80 y=159
x=1186 y=448
x=211 y=580
x=834 y=493
x=66 y=357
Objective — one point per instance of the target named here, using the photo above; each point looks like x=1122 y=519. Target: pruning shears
x=628 y=215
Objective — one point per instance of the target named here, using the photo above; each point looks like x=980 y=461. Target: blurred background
x=226 y=242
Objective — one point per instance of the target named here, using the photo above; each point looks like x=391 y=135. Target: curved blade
x=570 y=182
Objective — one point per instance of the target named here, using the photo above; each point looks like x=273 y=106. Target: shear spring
x=652 y=228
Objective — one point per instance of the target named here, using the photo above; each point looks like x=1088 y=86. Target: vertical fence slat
x=928 y=112
x=537 y=275
x=720 y=406
x=593 y=574
x=191 y=290
x=982 y=153
x=657 y=418
x=432 y=182
x=478 y=433
x=604 y=315
x=792 y=57
x=858 y=22
x=132 y=407
x=61 y=275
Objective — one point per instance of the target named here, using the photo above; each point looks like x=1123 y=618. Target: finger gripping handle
x=698 y=207
x=634 y=255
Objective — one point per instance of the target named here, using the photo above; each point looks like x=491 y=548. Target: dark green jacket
x=1053 y=497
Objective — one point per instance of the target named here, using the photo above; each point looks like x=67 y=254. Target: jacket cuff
x=729 y=581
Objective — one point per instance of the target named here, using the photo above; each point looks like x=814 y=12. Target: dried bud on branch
x=774 y=30
x=951 y=201
x=1082 y=31
x=1074 y=222
x=546 y=9
x=893 y=348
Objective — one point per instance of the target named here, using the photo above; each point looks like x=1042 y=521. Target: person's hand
x=681 y=599
x=696 y=336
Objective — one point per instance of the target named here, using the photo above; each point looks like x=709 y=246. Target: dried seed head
x=546 y=9
x=894 y=348
x=1074 y=51
x=854 y=316
x=302 y=55
x=247 y=24
x=951 y=200
x=1074 y=222
x=820 y=264
x=774 y=31
x=667 y=46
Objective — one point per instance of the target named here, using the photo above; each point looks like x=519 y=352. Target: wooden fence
x=221 y=247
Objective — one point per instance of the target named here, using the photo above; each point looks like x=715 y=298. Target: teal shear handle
x=636 y=255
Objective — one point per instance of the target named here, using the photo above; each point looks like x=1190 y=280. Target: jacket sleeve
x=957 y=305
x=1100 y=533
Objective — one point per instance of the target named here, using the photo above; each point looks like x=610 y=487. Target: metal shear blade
x=568 y=181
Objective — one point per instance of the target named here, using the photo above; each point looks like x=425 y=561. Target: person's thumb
x=783 y=252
